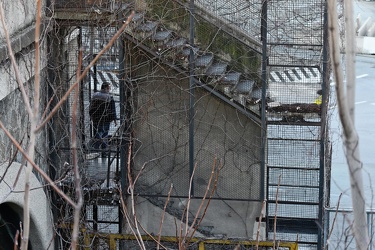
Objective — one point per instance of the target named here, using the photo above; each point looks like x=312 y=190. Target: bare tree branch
x=346 y=113
x=33 y=133
x=78 y=188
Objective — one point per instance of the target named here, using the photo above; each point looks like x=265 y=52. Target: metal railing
x=339 y=229
x=72 y=4
x=113 y=242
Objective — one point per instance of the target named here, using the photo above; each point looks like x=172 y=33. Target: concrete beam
x=22 y=40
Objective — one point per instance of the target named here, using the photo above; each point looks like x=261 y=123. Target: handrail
x=334 y=210
x=113 y=238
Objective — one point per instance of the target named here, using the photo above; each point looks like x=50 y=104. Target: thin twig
x=78 y=188
x=188 y=202
x=151 y=236
x=215 y=174
x=131 y=191
x=162 y=217
x=36 y=167
x=276 y=204
x=259 y=223
x=32 y=142
x=16 y=240
x=126 y=214
x=333 y=222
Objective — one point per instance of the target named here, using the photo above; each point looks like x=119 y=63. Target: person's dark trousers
x=101 y=135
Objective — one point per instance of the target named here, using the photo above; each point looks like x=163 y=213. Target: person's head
x=106 y=86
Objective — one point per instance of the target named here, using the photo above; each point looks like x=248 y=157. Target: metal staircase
x=294 y=132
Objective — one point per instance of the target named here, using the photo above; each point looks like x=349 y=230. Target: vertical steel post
x=263 y=104
x=263 y=110
x=192 y=98
x=323 y=120
x=123 y=143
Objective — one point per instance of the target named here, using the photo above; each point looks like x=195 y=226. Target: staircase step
x=186 y=51
x=146 y=29
x=217 y=69
x=231 y=78
x=173 y=48
x=162 y=36
x=204 y=61
x=177 y=43
x=182 y=56
x=256 y=94
x=138 y=18
x=244 y=87
x=160 y=39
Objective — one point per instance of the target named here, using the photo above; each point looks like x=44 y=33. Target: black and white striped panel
x=104 y=76
x=300 y=74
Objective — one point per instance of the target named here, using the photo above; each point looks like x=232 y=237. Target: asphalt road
x=365 y=125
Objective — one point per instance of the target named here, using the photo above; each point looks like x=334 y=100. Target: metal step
x=217 y=70
x=230 y=79
x=203 y=62
x=177 y=49
x=244 y=87
x=161 y=38
x=146 y=29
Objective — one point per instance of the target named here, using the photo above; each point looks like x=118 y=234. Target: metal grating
x=219 y=131
x=295 y=79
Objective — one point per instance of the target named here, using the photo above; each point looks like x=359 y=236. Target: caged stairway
x=272 y=84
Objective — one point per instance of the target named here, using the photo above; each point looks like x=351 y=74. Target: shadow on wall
x=9 y=227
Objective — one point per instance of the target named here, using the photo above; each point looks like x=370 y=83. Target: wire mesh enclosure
x=190 y=104
x=296 y=138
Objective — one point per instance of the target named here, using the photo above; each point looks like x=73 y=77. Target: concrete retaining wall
x=20 y=21
x=365 y=45
x=41 y=232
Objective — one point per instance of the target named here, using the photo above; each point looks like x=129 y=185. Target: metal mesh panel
x=219 y=132
x=103 y=218
x=294 y=153
x=297 y=211
x=295 y=22
x=295 y=79
x=294 y=179
x=289 y=177
x=236 y=14
x=305 y=241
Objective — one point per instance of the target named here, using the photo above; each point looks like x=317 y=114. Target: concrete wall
x=20 y=20
x=161 y=154
x=365 y=27
x=41 y=232
x=365 y=45
x=222 y=219
x=19 y=14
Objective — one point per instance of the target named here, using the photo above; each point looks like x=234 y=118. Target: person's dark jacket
x=102 y=108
